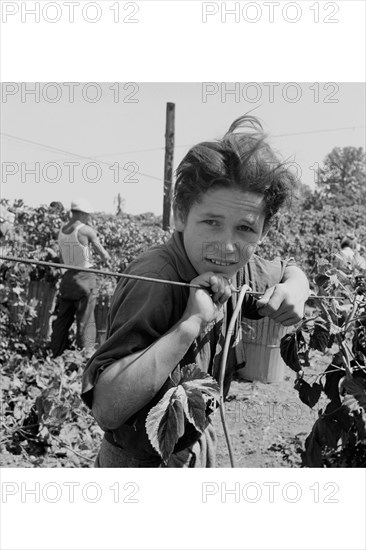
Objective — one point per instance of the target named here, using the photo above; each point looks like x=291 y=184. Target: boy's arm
x=128 y=384
x=285 y=301
x=96 y=244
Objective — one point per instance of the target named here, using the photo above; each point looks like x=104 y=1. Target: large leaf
x=288 y=349
x=293 y=351
x=196 y=408
x=165 y=422
x=319 y=338
x=194 y=378
x=308 y=394
x=326 y=433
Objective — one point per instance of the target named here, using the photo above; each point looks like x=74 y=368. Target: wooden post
x=168 y=163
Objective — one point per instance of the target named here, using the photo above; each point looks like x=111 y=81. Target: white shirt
x=72 y=251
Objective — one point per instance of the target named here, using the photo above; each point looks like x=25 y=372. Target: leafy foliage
x=341 y=426
x=42 y=413
x=191 y=401
x=343 y=176
x=43 y=416
x=312 y=228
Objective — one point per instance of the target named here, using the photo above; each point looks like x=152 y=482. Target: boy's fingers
x=203 y=280
x=225 y=295
x=274 y=305
x=265 y=298
x=262 y=303
x=270 y=302
x=220 y=288
x=215 y=284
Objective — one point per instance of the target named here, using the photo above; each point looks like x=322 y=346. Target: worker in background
x=77 y=241
x=349 y=259
x=7 y=219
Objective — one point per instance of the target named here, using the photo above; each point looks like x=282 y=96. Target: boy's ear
x=178 y=219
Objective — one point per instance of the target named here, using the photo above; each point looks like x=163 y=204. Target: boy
x=225 y=196
x=78 y=289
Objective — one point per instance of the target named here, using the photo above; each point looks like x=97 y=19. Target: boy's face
x=222 y=231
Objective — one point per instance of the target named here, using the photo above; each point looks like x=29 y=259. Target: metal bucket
x=261 y=346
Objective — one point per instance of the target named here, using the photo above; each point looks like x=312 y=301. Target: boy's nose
x=230 y=246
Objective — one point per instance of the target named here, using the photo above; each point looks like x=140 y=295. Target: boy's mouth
x=221 y=263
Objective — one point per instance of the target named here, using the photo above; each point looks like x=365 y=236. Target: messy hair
x=241 y=159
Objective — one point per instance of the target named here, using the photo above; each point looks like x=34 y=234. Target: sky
x=60 y=140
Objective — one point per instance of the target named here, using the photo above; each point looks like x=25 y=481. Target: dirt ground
x=267 y=423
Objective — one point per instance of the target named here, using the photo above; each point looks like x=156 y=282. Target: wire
x=162 y=148
x=131 y=152
x=97 y=271
x=138 y=277
x=65 y=152
x=318 y=131
x=297 y=133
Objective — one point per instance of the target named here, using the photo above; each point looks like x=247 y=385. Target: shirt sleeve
x=140 y=313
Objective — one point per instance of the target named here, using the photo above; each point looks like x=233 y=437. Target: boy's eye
x=246 y=228
x=211 y=222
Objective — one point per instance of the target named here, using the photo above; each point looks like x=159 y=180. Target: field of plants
x=45 y=424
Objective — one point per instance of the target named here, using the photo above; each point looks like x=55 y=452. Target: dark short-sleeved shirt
x=141 y=312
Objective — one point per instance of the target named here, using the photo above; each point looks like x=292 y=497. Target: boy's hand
x=202 y=307
x=283 y=303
